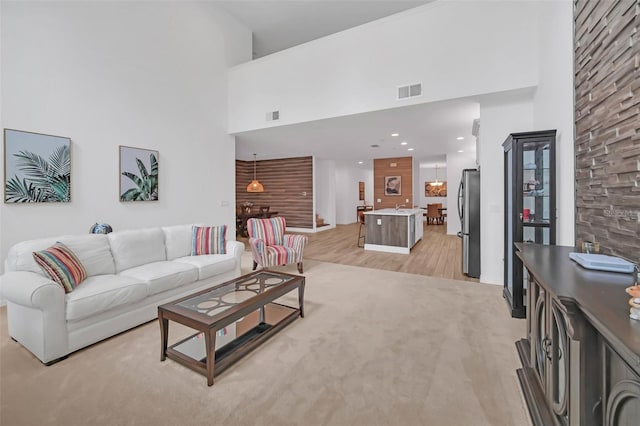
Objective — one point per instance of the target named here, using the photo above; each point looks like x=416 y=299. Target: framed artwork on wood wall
x=393 y=185
x=37 y=168
x=138 y=174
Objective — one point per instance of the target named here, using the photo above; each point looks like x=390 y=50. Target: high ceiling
x=278 y=25
x=431 y=129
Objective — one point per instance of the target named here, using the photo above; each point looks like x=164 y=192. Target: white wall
x=149 y=75
x=455 y=49
x=500 y=115
x=553 y=106
x=550 y=107
x=347 y=178
x=325 y=189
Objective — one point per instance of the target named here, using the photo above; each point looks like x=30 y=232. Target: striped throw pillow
x=61 y=265
x=209 y=240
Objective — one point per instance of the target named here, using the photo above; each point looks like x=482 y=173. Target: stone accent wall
x=607 y=118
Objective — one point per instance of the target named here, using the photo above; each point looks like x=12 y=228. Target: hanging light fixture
x=255 y=186
x=436 y=182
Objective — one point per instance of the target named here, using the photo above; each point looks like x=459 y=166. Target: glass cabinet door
x=509 y=236
x=529 y=185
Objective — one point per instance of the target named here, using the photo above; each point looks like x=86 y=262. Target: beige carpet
x=375 y=348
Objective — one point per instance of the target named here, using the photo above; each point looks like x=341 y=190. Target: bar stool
x=360 y=234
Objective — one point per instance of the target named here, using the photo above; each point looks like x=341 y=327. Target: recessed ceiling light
x=395 y=134
x=360 y=162
x=403 y=143
x=460 y=138
x=460 y=150
x=410 y=149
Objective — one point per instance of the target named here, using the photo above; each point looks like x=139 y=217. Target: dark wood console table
x=581 y=354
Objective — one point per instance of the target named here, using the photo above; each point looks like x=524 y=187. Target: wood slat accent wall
x=607 y=118
x=383 y=167
x=284 y=180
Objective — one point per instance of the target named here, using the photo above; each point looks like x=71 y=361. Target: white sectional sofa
x=129 y=273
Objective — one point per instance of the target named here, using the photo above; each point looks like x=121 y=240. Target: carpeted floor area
x=375 y=348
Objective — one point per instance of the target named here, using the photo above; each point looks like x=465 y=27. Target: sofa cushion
x=209 y=240
x=101 y=293
x=164 y=275
x=177 y=240
x=210 y=265
x=137 y=247
x=92 y=250
x=61 y=265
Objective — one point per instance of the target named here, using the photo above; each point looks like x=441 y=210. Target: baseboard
x=310 y=230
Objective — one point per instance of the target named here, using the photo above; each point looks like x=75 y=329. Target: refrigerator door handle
x=460 y=201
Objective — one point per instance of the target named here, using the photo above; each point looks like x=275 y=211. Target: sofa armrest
x=295 y=241
x=236 y=248
x=30 y=289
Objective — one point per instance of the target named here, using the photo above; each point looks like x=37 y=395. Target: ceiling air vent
x=410 y=91
x=273 y=115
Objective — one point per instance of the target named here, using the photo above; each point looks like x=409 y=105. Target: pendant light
x=436 y=182
x=255 y=186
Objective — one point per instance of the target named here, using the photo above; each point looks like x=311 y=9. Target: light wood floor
x=437 y=254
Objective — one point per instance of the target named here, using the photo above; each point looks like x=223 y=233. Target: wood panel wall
x=607 y=118
x=288 y=188
x=401 y=166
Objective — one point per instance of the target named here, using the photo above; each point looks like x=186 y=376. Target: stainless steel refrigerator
x=469 y=212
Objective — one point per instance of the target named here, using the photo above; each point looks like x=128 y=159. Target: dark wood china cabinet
x=530 y=206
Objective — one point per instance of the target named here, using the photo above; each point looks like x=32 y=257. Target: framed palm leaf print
x=37 y=167
x=138 y=174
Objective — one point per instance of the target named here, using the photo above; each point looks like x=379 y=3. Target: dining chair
x=433 y=214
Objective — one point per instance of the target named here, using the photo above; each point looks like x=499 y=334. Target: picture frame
x=138 y=172
x=435 y=190
x=392 y=185
x=37 y=167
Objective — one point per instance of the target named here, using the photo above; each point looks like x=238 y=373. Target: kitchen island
x=393 y=230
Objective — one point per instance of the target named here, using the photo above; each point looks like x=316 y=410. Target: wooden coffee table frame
x=217 y=361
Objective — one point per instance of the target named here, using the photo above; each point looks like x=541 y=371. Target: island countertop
x=394 y=212
x=393 y=231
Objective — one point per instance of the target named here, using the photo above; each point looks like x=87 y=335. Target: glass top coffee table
x=240 y=314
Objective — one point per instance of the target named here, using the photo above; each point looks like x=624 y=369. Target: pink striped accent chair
x=271 y=247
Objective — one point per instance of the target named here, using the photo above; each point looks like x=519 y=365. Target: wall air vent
x=475 y=129
x=273 y=115
x=410 y=91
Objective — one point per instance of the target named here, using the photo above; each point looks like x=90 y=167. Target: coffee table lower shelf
x=234 y=350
